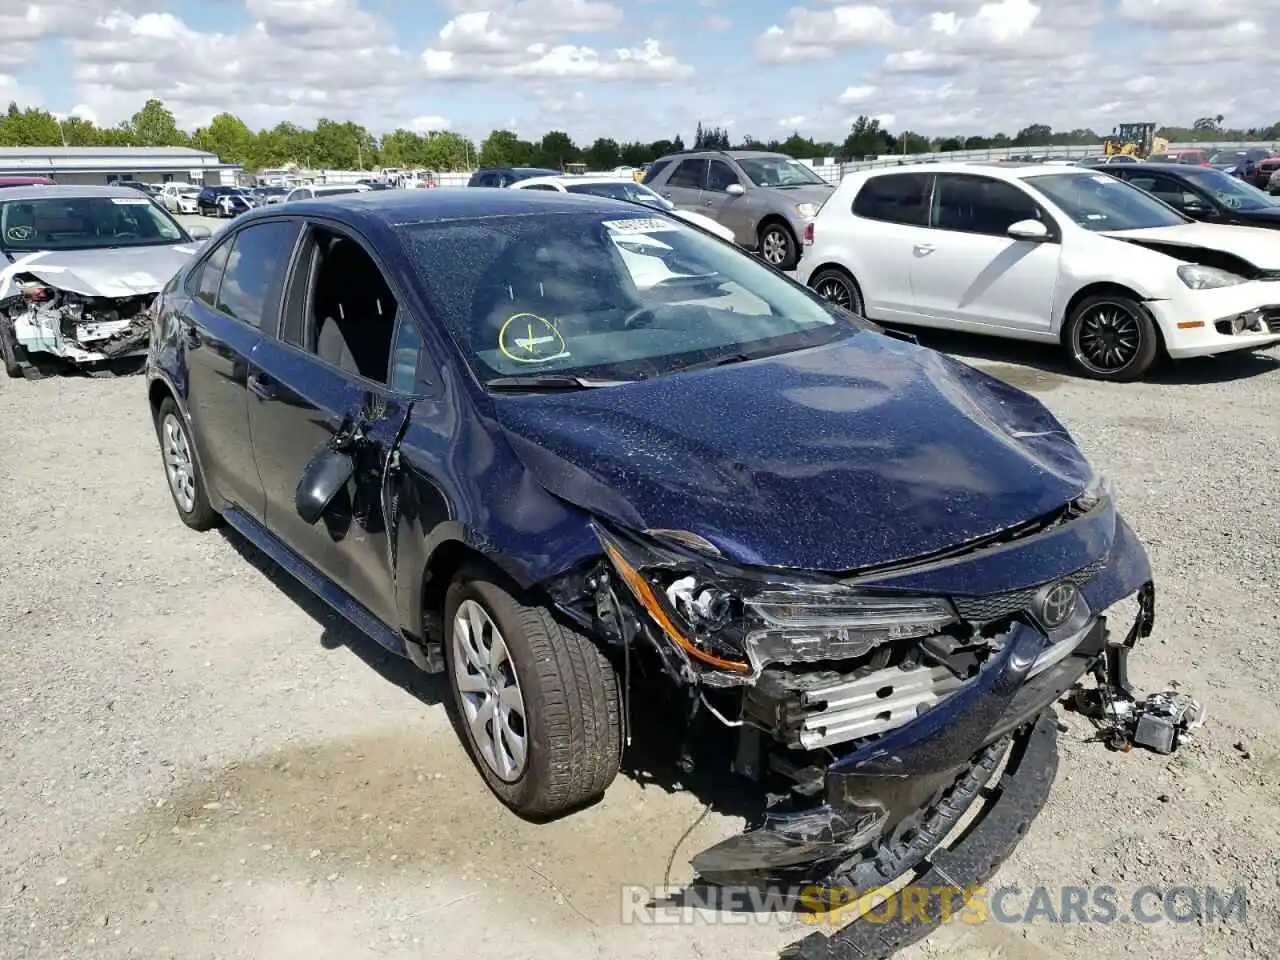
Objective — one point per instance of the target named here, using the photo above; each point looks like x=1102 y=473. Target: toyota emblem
x=1058 y=604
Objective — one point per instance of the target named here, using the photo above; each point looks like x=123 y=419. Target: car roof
x=568 y=180
x=392 y=208
x=1003 y=170
x=45 y=192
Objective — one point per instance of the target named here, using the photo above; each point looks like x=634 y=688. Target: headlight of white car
x=1207 y=278
x=807 y=209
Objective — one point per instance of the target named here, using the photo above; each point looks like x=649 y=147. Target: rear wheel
x=186 y=484
x=1112 y=337
x=778 y=246
x=536 y=700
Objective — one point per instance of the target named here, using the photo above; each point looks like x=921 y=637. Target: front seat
x=331 y=342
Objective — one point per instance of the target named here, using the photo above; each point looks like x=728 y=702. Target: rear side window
x=690 y=173
x=654 y=170
x=895 y=198
x=209 y=277
x=250 y=288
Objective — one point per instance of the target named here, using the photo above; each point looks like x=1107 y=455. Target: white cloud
x=853 y=95
x=534 y=38
x=1186 y=13
x=428 y=124
x=792 y=123
x=818 y=34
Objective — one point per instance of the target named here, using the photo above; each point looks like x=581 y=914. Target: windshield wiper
x=548 y=382
x=718 y=362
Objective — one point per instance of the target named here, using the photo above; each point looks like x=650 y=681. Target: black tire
x=198 y=514
x=1113 y=337
x=774 y=234
x=572 y=724
x=9 y=349
x=840 y=288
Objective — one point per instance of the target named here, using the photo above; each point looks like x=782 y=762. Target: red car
x=1263 y=171
x=26 y=182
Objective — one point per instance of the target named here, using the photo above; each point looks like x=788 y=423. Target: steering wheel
x=638 y=318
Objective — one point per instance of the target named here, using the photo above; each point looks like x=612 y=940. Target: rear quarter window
x=894 y=198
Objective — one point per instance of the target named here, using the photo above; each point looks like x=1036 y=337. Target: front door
x=966 y=271
x=726 y=209
x=890 y=213
x=323 y=382
x=684 y=186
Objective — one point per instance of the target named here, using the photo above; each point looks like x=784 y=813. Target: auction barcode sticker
x=639 y=225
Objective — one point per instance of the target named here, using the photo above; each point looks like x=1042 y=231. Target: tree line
x=345 y=145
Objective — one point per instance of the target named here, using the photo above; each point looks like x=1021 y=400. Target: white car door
x=967 y=272
x=874 y=240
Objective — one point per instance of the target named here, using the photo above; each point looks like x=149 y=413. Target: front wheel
x=537 y=701
x=1112 y=337
x=9 y=349
x=778 y=246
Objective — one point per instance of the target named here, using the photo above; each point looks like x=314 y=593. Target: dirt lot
x=197 y=761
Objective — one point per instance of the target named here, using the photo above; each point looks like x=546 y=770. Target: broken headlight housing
x=738 y=621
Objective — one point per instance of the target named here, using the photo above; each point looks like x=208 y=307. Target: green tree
x=866 y=139
x=604 y=154
x=556 y=149
x=228 y=137
x=154 y=126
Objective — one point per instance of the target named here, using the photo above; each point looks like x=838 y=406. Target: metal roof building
x=101 y=165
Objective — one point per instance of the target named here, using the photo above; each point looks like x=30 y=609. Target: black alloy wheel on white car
x=834 y=284
x=1112 y=337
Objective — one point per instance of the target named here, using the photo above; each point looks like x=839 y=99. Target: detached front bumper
x=891 y=780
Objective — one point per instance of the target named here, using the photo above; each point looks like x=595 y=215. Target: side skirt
x=352 y=610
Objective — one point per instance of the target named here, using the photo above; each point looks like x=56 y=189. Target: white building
x=101 y=165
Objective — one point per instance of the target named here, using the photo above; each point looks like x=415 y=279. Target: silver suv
x=766 y=199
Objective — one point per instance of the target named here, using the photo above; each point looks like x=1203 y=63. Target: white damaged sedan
x=79 y=268
x=1037 y=252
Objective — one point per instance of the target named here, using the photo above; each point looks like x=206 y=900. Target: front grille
x=997 y=606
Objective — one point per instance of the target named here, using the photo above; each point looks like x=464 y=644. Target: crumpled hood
x=863 y=452
x=119 y=272
x=1254 y=245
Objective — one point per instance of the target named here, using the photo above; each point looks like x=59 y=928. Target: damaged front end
x=881 y=702
x=81 y=329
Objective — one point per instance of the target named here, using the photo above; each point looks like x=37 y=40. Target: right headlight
x=1198 y=277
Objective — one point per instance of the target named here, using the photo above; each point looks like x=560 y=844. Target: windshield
x=1098 y=201
x=1228 y=157
x=778 y=172
x=84 y=223
x=610 y=294
x=1230 y=192
x=335 y=191
x=623 y=190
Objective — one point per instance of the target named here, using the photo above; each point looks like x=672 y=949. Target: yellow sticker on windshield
x=529 y=338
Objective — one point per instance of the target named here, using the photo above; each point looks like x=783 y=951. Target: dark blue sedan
x=574 y=452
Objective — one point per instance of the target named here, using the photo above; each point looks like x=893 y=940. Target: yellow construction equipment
x=1134 y=140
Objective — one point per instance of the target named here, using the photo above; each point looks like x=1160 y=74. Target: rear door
x=229 y=292
x=330 y=377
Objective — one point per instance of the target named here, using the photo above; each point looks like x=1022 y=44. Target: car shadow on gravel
x=337 y=633
x=654 y=758
x=1043 y=366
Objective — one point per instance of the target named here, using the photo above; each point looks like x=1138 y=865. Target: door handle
x=262 y=385
x=706 y=203
x=667 y=195
x=924 y=248
x=191 y=337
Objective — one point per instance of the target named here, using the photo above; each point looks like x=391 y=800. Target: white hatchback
x=1051 y=254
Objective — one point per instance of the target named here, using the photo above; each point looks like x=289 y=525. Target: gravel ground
x=198 y=761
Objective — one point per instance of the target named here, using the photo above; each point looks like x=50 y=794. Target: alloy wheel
x=1107 y=338
x=178 y=465
x=837 y=291
x=492 y=702
x=775 y=246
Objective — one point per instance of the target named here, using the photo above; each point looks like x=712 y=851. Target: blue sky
x=645 y=69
